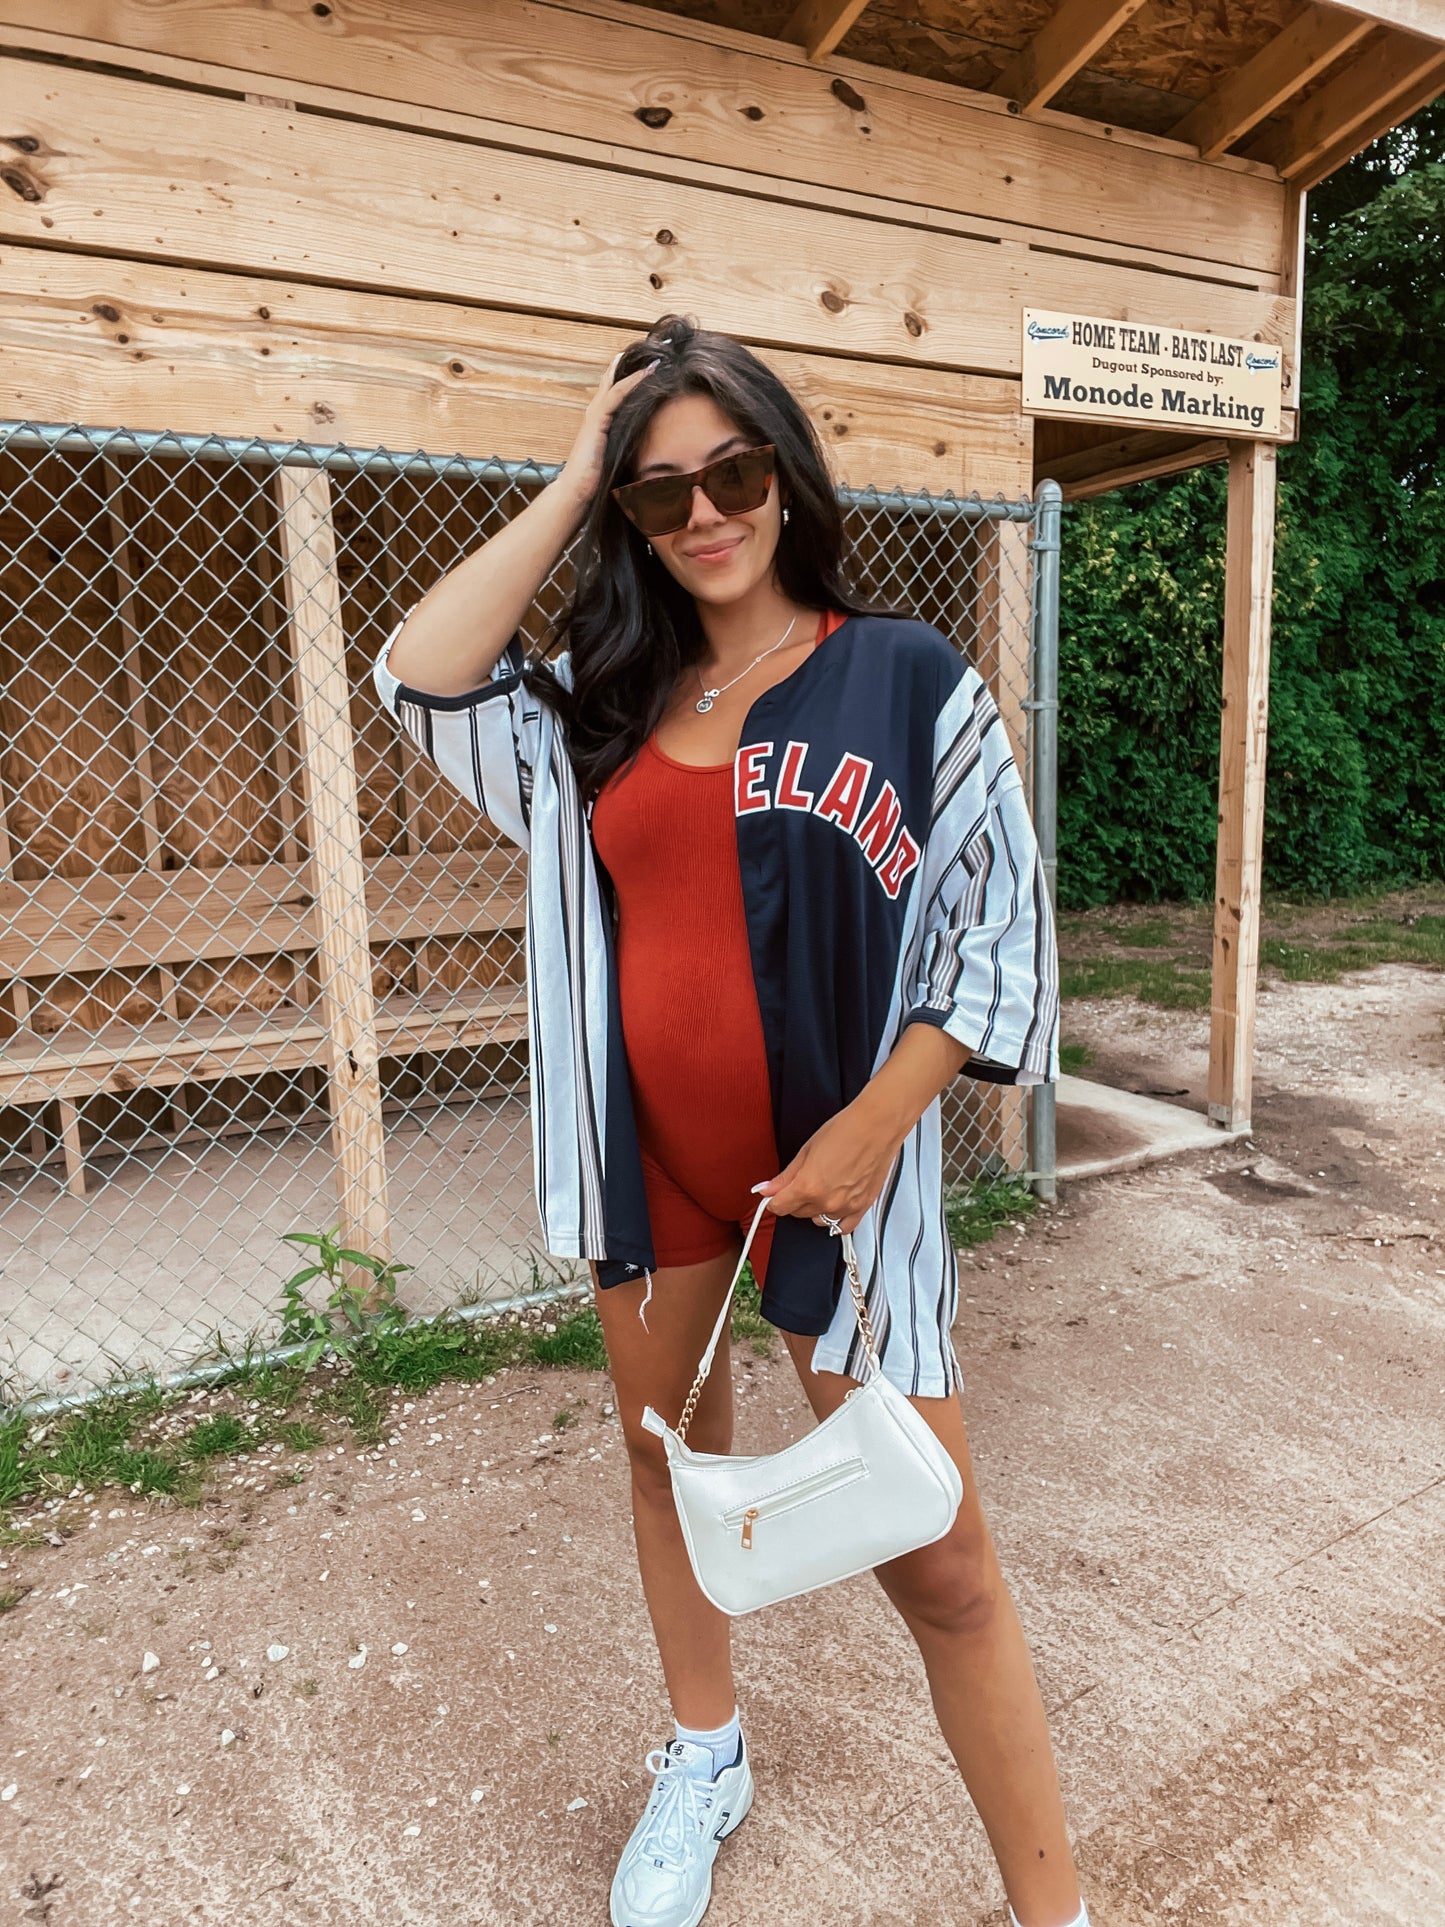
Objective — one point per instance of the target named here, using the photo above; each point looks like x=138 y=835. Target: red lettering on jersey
x=902 y=858
x=843 y=798
x=749 y=784
x=788 y=796
x=875 y=832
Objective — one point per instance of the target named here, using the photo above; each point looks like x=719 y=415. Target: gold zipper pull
x=748 y=1517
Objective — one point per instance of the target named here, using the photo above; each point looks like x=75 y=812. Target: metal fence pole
x=1044 y=713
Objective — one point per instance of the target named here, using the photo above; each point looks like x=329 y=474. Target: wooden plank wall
x=422 y=224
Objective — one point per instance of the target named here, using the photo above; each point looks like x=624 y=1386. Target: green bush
x=1356 y=772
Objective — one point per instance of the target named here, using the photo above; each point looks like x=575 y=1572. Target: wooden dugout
x=428 y=223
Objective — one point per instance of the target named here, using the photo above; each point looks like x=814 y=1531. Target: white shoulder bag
x=870 y=1483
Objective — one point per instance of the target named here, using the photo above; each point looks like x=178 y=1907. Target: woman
x=783 y=888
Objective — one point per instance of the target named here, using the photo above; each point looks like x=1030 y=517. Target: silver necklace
x=709 y=696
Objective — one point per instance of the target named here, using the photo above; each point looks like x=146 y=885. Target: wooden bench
x=173 y=919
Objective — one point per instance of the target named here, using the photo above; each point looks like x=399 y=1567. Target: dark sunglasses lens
x=739 y=483
x=658 y=506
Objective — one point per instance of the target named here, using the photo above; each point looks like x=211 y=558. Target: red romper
x=667 y=834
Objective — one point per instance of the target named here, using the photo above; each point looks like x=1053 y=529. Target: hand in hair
x=582 y=469
x=454 y=638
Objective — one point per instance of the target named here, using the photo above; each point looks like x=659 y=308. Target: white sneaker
x=664 y=1878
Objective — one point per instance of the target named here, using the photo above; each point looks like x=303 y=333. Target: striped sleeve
x=988 y=969
x=485 y=742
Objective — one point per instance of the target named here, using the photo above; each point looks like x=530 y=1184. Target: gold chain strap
x=865 y=1327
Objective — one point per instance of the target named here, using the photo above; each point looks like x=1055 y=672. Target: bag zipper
x=817 y=1483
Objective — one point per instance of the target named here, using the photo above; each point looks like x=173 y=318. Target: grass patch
x=1171 y=985
x=298 y=1435
x=748 y=1322
x=360 y=1404
x=577 y=1342
x=1074 y=1058
x=212 y=1438
x=975 y=1214
x=11 y=1596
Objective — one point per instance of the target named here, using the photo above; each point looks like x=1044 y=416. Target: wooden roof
x=1300 y=88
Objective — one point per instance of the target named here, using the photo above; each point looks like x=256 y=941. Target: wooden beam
x=1244 y=720
x=202 y=353
x=650 y=92
x=1355 y=100
x=313 y=597
x=1114 y=462
x=1312 y=41
x=819 y=25
x=1424 y=17
x=319 y=199
x=1426 y=86
x=1056 y=53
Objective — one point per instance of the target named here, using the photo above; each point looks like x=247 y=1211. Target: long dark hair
x=631 y=628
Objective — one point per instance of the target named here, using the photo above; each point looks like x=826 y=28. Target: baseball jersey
x=890 y=876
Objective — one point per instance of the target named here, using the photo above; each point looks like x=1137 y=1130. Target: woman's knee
x=952 y=1588
x=651 y=1480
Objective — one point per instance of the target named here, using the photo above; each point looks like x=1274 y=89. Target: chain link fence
x=260 y=968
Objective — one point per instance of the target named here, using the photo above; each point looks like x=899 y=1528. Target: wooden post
x=1248 y=583
x=313 y=599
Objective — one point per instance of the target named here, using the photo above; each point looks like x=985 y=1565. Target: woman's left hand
x=839 y=1171
x=844 y=1165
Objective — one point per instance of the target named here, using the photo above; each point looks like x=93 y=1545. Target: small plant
x=561 y=1420
x=211 y=1437
x=11 y=1596
x=975 y=1214
x=577 y=1342
x=306 y=1689
x=353 y=1306
x=1074 y=1058
x=299 y=1436
x=748 y=1320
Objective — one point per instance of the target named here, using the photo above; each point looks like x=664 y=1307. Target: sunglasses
x=734 y=484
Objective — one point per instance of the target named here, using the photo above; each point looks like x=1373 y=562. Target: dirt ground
x=1206 y=1411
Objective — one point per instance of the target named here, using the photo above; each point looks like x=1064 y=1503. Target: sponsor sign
x=1088 y=368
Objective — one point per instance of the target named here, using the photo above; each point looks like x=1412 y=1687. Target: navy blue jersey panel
x=628 y=1226
x=834 y=787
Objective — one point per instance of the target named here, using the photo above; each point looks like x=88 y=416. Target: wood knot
x=914 y=323
x=752 y=113
x=19 y=182
x=653 y=116
x=665 y=237
x=105 y=310
x=834 y=303
x=850 y=96
x=22 y=143
x=654 y=280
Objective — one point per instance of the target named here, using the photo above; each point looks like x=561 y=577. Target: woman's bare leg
x=655 y=1365
x=954 y=1600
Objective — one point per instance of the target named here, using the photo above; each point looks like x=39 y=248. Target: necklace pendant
x=704 y=702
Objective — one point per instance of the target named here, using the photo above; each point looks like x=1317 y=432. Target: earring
x=785 y=518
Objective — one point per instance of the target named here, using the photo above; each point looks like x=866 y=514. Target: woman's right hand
x=582 y=470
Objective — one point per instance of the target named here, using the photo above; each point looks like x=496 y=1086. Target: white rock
x=277 y=1652
x=575 y=1806
x=477 y=1794
x=9 y=1792
x=86 y=1771
x=150 y=1662
x=212 y=1672
x=410 y=1833
x=228 y=1738
x=418 y=1517
x=357 y=1660
x=399 y=1648
x=549 y=1629
x=183 y=1789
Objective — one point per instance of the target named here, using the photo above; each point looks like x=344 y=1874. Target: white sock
x=1080 y=1919
x=719 y=1743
